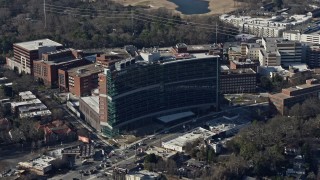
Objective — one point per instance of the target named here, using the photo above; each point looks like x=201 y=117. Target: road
x=75 y=120
x=199 y=121
x=171 y=133
x=127 y=155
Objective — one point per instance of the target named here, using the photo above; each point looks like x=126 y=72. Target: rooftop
x=29 y=102
x=34 y=45
x=224 y=68
x=86 y=70
x=84 y=150
x=25 y=93
x=281 y=96
x=57 y=127
x=176 y=116
x=61 y=56
x=115 y=52
x=110 y=56
x=35 y=113
x=299 y=87
x=187 y=57
x=238 y=71
x=301 y=67
x=292 y=89
x=24 y=109
x=93 y=102
x=275 y=22
x=144 y=174
x=40 y=163
x=202 y=47
x=119 y=53
x=248 y=61
x=26 y=96
x=190 y=136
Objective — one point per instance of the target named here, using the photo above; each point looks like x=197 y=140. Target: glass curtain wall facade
x=145 y=90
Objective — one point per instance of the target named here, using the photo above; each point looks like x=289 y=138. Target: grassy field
x=216 y=6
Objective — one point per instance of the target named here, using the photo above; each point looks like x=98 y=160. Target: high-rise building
x=313 y=56
x=133 y=91
x=26 y=52
x=290 y=51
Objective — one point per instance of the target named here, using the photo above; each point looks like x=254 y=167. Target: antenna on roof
x=45 y=14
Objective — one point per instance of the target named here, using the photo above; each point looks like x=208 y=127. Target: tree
x=211 y=155
x=247 y=150
x=265 y=83
x=57 y=113
x=311 y=176
x=261 y=165
x=296 y=110
x=233 y=146
x=28 y=127
x=151 y=158
x=202 y=154
x=2 y=93
x=24 y=83
x=310 y=108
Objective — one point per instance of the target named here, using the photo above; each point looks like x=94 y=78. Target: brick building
x=282 y=102
x=111 y=57
x=244 y=64
x=79 y=81
x=47 y=68
x=238 y=81
x=26 y=52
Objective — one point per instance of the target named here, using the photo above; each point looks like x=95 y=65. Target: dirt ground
x=216 y=6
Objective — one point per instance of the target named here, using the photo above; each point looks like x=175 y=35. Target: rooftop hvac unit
x=80 y=71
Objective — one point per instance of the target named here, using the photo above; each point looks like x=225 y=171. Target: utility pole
x=216 y=32
x=45 y=14
x=132 y=23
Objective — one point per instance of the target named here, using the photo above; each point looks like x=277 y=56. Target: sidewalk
x=99 y=135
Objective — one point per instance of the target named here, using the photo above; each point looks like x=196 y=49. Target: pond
x=189 y=7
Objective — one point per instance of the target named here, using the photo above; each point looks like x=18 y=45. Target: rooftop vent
x=80 y=71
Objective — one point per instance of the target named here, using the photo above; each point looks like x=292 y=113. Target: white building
x=179 y=143
x=27 y=95
x=29 y=106
x=301 y=37
x=227 y=125
x=143 y=175
x=253 y=50
x=269 y=58
x=277 y=51
x=265 y=27
x=40 y=165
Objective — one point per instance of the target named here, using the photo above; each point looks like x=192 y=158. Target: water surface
x=192 y=6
